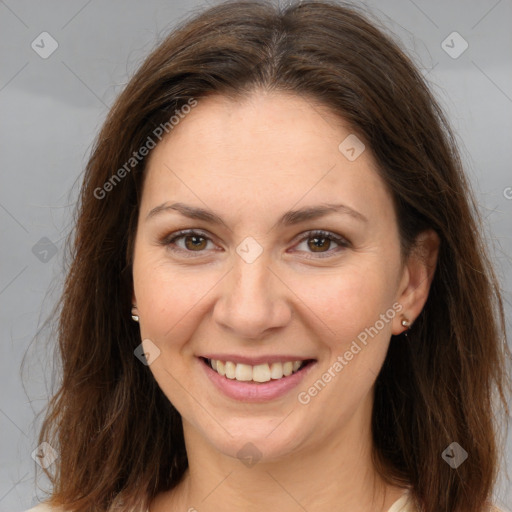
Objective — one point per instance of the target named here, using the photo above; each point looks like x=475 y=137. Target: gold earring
x=135 y=317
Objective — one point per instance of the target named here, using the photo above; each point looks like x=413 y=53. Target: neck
x=335 y=474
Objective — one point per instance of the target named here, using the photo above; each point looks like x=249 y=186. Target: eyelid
x=306 y=235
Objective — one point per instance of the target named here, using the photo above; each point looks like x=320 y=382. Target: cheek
x=356 y=306
x=170 y=299
x=347 y=301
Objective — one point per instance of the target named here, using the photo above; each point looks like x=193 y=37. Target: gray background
x=51 y=110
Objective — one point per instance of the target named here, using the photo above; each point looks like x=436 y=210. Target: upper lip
x=253 y=361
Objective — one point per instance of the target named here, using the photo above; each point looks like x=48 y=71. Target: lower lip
x=254 y=391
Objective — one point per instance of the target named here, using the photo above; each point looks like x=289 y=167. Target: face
x=252 y=284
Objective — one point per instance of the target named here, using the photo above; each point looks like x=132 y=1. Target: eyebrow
x=290 y=218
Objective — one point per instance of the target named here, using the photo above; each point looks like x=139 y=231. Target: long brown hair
x=120 y=441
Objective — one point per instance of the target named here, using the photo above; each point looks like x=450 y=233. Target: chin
x=252 y=441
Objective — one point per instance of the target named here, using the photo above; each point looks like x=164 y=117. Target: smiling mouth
x=259 y=373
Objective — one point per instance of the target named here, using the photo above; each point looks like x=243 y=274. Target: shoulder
x=406 y=504
x=43 y=507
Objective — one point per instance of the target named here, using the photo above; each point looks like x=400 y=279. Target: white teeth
x=287 y=368
x=243 y=372
x=276 y=370
x=230 y=369
x=261 y=373
x=258 y=373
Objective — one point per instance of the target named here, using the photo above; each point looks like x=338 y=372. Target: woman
x=272 y=304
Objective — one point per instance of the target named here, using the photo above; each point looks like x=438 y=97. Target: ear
x=417 y=276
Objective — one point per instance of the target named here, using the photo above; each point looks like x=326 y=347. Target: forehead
x=259 y=128
x=265 y=150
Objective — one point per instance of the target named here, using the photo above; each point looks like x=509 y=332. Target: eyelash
x=169 y=240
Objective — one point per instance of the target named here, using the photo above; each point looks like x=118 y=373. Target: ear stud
x=135 y=317
x=406 y=323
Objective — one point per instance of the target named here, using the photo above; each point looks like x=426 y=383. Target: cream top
x=403 y=504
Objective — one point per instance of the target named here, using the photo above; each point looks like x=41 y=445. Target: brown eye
x=321 y=242
x=318 y=244
x=193 y=241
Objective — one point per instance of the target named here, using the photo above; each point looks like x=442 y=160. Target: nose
x=254 y=301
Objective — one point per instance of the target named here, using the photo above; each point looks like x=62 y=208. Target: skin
x=250 y=161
